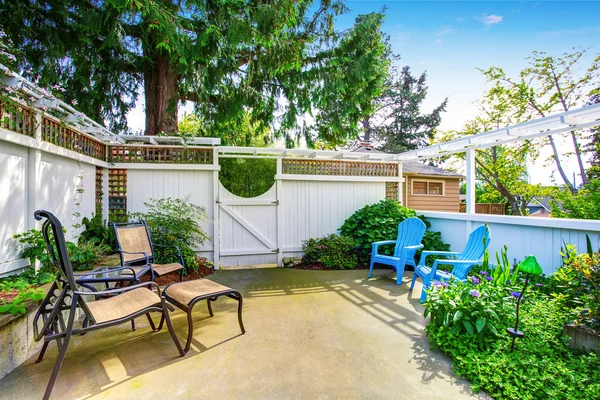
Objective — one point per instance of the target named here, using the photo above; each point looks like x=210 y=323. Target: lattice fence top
x=339 y=168
x=145 y=154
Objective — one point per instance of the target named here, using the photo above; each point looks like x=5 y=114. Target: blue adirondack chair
x=408 y=241
x=462 y=263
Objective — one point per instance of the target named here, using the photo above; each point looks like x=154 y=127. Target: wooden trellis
x=63 y=136
x=17 y=118
x=340 y=168
x=160 y=154
x=117 y=195
x=391 y=190
x=99 y=193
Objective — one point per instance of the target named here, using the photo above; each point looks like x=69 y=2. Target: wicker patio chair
x=137 y=250
x=65 y=299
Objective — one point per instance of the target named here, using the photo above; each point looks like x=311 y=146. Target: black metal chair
x=137 y=250
x=65 y=298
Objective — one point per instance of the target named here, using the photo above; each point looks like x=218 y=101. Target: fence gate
x=247 y=228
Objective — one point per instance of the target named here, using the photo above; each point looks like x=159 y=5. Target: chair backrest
x=133 y=237
x=52 y=230
x=410 y=233
x=476 y=245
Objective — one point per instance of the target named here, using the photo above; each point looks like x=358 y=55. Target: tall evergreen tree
x=275 y=60
x=397 y=123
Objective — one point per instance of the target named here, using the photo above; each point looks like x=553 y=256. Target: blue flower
x=538 y=284
x=444 y=284
x=489 y=278
x=475 y=293
x=515 y=294
x=484 y=273
x=474 y=279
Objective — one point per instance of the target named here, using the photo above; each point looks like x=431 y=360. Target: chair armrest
x=96 y=271
x=139 y=252
x=415 y=247
x=451 y=262
x=375 y=245
x=427 y=253
x=119 y=290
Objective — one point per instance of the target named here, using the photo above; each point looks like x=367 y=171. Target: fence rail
x=340 y=168
x=63 y=136
x=486 y=208
x=17 y=118
x=162 y=154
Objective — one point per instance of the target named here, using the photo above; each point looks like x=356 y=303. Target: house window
x=426 y=188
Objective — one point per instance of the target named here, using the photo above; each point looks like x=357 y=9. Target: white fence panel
x=67 y=188
x=542 y=237
x=13 y=202
x=313 y=209
x=194 y=185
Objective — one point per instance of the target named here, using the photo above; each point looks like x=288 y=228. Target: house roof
x=414 y=167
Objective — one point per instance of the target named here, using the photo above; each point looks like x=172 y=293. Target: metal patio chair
x=408 y=241
x=461 y=263
x=65 y=299
x=137 y=250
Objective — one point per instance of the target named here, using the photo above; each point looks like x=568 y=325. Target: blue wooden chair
x=408 y=241
x=462 y=263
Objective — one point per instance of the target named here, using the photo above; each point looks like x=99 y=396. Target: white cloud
x=459 y=19
x=438 y=41
x=401 y=38
x=444 y=31
x=489 y=20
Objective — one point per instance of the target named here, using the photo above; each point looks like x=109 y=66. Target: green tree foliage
x=277 y=60
x=396 y=123
x=548 y=85
x=585 y=204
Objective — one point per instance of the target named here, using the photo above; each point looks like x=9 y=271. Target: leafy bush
x=468 y=322
x=379 y=221
x=98 y=233
x=82 y=256
x=174 y=222
x=579 y=282
x=333 y=251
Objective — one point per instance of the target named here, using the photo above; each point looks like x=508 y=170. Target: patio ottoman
x=185 y=295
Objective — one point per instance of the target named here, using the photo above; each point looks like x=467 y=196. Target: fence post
x=216 y=211
x=33 y=185
x=400 y=184
x=279 y=211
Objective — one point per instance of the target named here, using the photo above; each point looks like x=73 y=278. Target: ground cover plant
x=468 y=322
x=17 y=290
x=174 y=222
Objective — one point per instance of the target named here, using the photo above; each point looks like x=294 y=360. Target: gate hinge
x=275 y=251
x=276 y=202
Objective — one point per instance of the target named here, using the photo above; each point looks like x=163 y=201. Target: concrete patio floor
x=310 y=334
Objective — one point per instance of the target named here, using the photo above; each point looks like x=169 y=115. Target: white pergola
x=578 y=119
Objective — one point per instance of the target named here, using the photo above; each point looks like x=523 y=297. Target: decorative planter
x=582 y=337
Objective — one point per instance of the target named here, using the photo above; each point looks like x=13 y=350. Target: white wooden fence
x=38 y=172
x=41 y=169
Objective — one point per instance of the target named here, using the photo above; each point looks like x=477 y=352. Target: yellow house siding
x=449 y=202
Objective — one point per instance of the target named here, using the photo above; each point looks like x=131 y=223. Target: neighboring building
x=427 y=187
x=539 y=206
x=430 y=188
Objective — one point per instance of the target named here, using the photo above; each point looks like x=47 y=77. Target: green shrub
x=468 y=322
x=82 y=256
x=97 y=232
x=333 y=251
x=174 y=222
x=379 y=221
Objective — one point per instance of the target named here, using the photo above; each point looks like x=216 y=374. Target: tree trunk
x=559 y=167
x=160 y=84
x=366 y=123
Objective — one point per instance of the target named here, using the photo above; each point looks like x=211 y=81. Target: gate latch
x=276 y=202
